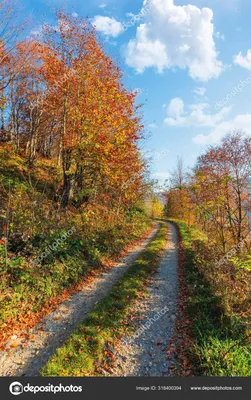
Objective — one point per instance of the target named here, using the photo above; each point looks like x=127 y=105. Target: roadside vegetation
x=72 y=243
x=218 y=308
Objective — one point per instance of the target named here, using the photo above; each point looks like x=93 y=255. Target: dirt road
x=27 y=357
x=150 y=352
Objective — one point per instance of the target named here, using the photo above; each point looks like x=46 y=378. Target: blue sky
x=190 y=61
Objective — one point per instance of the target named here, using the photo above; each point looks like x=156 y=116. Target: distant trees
x=217 y=190
x=178 y=202
x=154 y=206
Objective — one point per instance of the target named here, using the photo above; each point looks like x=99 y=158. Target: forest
x=76 y=195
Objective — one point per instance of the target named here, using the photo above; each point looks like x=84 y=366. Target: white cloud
x=198 y=106
x=243 y=61
x=108 y=26
x=130 y=15
x=176 y=107
x=220 y=36
x=37 y=32
x=200 y=91
x=102 y=5
x=242 y=121
x=175 y=36
x=195 y=117
x=75 y=15
x=161 y=176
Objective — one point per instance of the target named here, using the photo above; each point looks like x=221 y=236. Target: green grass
x=220 y=345
x=85 y=350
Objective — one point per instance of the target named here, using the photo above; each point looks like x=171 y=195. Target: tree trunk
x=66 y=191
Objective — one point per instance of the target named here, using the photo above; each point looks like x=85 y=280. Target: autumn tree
x=178 y=202
x=220 y=188
x=95 y=118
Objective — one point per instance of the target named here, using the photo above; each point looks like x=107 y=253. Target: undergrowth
x=219 y=329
